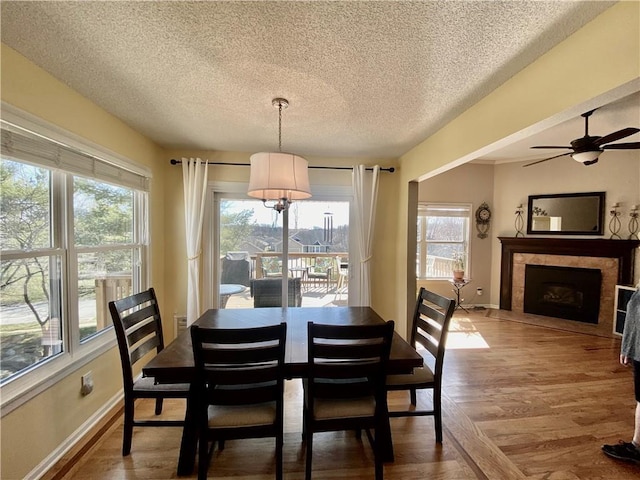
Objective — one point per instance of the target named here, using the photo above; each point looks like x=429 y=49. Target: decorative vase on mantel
x=458 y=275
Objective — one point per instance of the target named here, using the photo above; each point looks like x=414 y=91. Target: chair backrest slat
x=136 y=300
x=141 y=314
x=347 y=351
x=141 y=330
x=135 y=354
x=241 y=355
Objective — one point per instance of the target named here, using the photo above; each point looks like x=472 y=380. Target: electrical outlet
x=479 y=291
x=87 y=383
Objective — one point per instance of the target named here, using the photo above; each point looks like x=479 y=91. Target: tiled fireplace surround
x=614 y=258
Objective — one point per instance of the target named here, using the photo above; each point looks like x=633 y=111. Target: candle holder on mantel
x=614 y=223
x=519 y=222
x=633 y=223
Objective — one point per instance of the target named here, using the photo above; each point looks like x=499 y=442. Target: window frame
x=28 y=383
x=422 y=241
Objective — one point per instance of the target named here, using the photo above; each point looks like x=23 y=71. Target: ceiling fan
x=587 y=149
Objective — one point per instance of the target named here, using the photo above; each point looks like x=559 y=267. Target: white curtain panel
x=194 y=177
x=365 y=188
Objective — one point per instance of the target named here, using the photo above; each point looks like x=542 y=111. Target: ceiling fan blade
x=622 y=146
x=545 y=159
x=550 y=146
x=612 y=137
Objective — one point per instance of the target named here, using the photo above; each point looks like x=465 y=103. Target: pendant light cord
x=280 y=127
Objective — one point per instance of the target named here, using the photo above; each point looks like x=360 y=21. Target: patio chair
x=431 y=319
x=138 y=326
x=342 y=269
x=320 y=272
x=267 y=292
x=236 y=268
x=271 y=267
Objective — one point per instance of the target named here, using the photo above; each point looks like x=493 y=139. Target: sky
x=309 y=213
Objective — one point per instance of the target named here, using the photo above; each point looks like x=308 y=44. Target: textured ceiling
x=362 y=78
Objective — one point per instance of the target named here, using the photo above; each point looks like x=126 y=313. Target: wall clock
x=483 y=219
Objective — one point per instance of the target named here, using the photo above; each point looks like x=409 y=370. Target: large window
x=72 y=238
x=443 y=239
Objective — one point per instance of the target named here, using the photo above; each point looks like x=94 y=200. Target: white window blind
x=433 y=210
x=24 y=146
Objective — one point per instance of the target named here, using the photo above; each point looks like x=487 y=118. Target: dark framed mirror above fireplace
x=566 y=214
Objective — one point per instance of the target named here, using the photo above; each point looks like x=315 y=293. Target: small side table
x=228 y=289
x=457 y=286
x=301 y=273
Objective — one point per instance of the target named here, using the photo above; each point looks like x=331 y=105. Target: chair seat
x=148 y=384
x=420 y=376
x=317 y=274
x=325 y=408
x=223 y=416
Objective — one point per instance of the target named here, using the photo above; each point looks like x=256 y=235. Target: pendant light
x=279 y=177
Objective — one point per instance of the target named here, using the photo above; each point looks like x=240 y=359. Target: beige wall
x=174 y=233
x=31 y=432
x=465 y=184
x=552 y=85
x=616 y=173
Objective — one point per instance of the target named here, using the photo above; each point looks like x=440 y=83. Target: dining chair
x=138 y=326
x=239 y=386
x=345 y=388
x=431 y=319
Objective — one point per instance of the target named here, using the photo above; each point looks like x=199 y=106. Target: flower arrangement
x=458 y=262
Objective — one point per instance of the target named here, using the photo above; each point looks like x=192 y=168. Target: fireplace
x=563 y=292
x=613 y=258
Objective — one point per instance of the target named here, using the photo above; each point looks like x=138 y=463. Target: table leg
x=189 y=443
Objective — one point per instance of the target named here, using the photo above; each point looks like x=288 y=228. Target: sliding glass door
x=246 y=241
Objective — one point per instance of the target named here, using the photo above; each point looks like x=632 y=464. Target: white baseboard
x=63 y=448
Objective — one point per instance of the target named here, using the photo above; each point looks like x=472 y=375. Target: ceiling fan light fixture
x=279 y=177
x=584 y=157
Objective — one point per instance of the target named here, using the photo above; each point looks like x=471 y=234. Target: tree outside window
x=102 y=259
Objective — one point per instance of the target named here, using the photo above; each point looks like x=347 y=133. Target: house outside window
x=443 y=237
x=73 y=237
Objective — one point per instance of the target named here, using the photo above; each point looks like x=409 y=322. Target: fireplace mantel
x=623 y=250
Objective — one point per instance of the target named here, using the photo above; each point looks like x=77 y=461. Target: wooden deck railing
x=299 y=262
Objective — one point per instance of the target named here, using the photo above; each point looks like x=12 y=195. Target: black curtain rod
x=390 y=169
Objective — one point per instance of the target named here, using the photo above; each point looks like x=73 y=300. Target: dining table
x=175 y=364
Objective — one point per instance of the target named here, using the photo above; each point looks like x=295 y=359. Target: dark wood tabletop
x=175 y=362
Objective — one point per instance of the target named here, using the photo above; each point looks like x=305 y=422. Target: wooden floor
x=521 y=401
